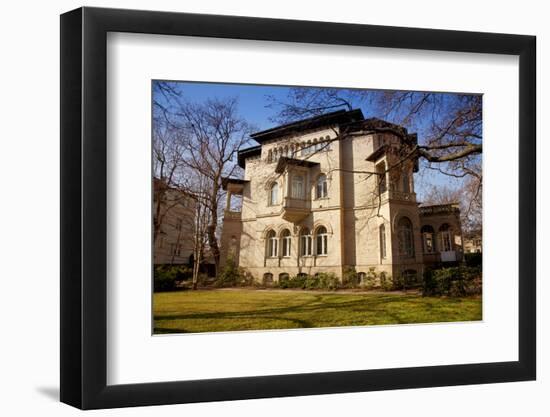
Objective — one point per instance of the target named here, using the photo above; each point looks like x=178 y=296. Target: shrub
x=428 y=283
x=454 y=282
x=165 y=277
x=231 y=275
x=473 y=259
x=327 y=281
x=371 y=279
x=351 y=278
x=386 y=282
x=321 y=281
x=398 y=283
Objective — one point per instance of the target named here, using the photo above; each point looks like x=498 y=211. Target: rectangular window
x=273 y=247
x=428 y=243
x=305 y=245
x=322 y=244
x=383 y=241
x=297 y=186
x=446 y=242
x=286 y=246
x=381 y=177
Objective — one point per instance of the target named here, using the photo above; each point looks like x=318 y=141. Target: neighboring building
x=312 y=204
x=174 y=217
x=473 y=242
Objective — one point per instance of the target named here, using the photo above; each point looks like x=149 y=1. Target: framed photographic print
x=257 y=208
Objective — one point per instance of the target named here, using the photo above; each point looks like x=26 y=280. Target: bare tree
x=449 y=126
x=213 y=133
x=168 y=166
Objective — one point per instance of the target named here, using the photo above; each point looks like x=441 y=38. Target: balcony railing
x=439 y=209
x=401 y=196
x=296 y=203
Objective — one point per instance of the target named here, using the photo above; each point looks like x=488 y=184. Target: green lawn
x=242 y=309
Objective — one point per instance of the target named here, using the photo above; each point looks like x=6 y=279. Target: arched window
x=285 y=152
x=286 y=240
x=275 y=155
x=268 y=278
x=428 y=238
x=405 y=237
x=305 y=242
x=321 y=241
x=270 y=156
x=274 y=194
x=382 y=233
x=321 y=190
x=271 y=244
x=284 y=276
x=445 y=241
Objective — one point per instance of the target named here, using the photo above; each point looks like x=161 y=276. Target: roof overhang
x=235 y=185
x=242 y=154
x=328 y=119
x=284 y=162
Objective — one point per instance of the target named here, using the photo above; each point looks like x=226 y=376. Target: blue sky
x=252 y=98
x=253 y=102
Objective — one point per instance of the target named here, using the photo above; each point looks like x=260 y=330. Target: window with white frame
x=321 y=241
x=286 y=240
x=428 y=233
x=445 y=238
x=274 y=194
x=297 y=189
x=271 y=244
x=305 y=242
x=321 y=187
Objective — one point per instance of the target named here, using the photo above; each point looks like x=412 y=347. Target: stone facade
x=176 y=210
x=319 y=196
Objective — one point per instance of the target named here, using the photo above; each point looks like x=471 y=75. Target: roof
x=327 y=119
x=284 y=161
x=226 y=181
x=352 y=119
x=247 y=153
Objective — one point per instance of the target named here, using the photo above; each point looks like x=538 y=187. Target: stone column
x=228 y=201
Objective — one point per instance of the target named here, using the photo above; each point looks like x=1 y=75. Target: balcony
x=296 y=209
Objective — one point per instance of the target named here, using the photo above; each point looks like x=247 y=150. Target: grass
x=244 y=309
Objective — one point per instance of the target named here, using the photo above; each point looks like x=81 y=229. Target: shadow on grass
x=318 y=303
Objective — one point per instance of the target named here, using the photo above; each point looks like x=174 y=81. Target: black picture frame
x=84 y=207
